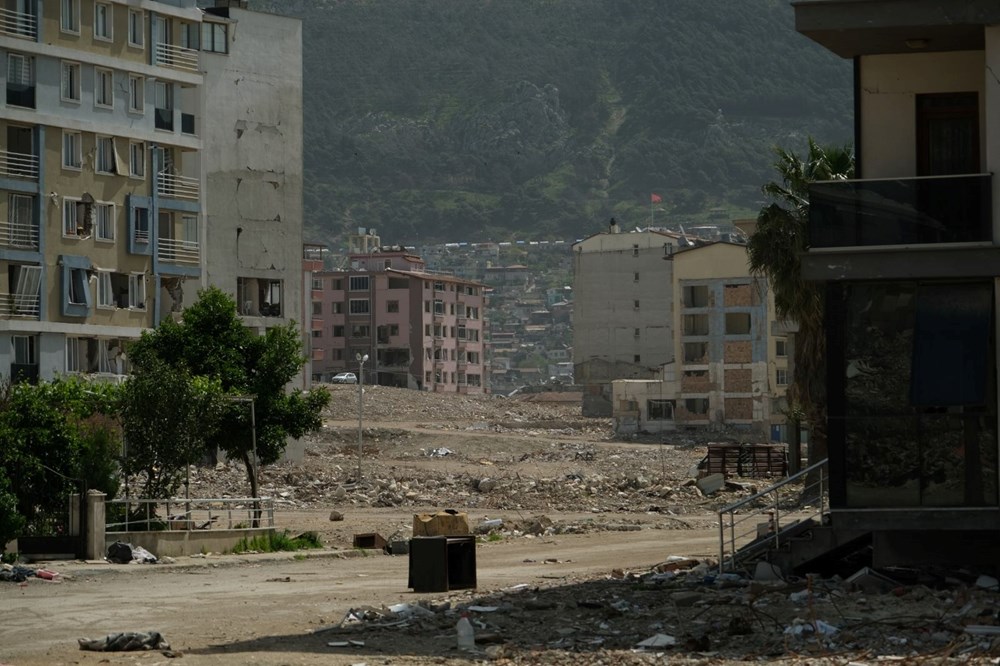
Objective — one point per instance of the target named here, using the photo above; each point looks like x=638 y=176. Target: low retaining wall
x=176 y=543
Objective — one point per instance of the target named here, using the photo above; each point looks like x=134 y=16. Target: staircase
x=775 y=525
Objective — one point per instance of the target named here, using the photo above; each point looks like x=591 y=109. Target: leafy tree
x=55 y=438
x=11 y=522
x=210 y=341
x=774 y=251
x=169 y=419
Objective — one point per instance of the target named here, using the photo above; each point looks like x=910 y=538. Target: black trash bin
x=442 y=563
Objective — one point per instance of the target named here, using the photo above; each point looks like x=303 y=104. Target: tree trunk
x=248 y=463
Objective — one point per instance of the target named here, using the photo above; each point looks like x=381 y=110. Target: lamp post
x=361 y=381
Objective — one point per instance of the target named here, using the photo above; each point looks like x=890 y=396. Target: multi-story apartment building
x=621 y=311
x=729 y=368
x=908 y=256
x=419 y=329
x=105 y=120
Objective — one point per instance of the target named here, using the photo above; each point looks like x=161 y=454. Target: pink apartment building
x=420 y=330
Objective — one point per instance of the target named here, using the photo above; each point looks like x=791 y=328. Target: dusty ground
x=587 y=589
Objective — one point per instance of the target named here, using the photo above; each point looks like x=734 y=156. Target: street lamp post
x=361 y=381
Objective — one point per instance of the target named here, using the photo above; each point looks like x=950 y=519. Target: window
x=136 y=159
x=70 y=88
x=737 y=323
x=189 y=35
x=392 y=306
x=427 y=330
x=359 y=283
x=338 y=285
x=76 y=218
x=104 y=87
x=635 y=250
x=337 y=308
x=636 y=358
x=635 y=277
x=105 y=214
x=660 y=410
x=361 y=331
x=439 y=286
x=696 y=296
x=141 y=224
x=69 y=18
x=427 y=306
x=105 y=155
x=136 y=93
x=72 y=150
x=79 y=294
x=24 y=350
x=20 y=80
x=359 y=306
x=137 y=291
x=695 y=352
x=695 y=324
x=439 y=307
x=213 y=37
x=317 y=284
x=136 y=28
x=20 y=227
x=780 y=348
x=76 y=355
x=338 y=331
x=635 y=305
x=105 y=293
x=102 y=21
x=317 y=308
x=473 y=380
x=163 y=101
x=317 y=333
x=781 y=377
x=696 y=405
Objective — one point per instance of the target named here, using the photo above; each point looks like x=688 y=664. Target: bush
x=11 y=522
x=275 y=542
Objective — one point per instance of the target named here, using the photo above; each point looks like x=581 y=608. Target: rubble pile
x=683 y=608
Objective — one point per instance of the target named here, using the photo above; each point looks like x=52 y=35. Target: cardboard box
x=443 y=523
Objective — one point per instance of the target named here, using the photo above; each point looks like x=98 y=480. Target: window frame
x=73 y=14
x=105 y=290
x=69 y=75
x=111 y=222
x=137 y=93
x=100 y=90
x=141 y=24
x=214 y=30
x=132 y=162
x=30 y=344
x=136 y=288
x=71 y=204
x=359 y=280
x=76 y=145
x=354 y=306
x=104 y=155
x=108 y=33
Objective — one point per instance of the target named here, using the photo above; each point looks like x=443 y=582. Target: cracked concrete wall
x=889 y=86
x=252 y=132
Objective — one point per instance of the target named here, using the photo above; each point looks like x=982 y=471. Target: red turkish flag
x=655 y=198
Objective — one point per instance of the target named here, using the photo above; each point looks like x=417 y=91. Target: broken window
x=695 y=352
x=696 y=324
x=696 y=296
x=737 y=323
x=696 y=405
x=660 y=410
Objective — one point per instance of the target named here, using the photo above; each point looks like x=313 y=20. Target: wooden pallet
x=748 y=460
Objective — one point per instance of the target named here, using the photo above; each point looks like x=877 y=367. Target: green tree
x=11 y=522
x=210 y=341
x=774 y=250
x=169 y=419
x=57 y=438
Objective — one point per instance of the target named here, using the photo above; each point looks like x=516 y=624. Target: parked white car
x=344 y=378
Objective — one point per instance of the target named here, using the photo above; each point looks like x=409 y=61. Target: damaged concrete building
x=729 y=363
x=149 y=149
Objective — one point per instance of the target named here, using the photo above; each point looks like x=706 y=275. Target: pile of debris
x=685 y=607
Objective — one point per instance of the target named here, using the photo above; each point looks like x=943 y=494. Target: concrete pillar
x=96 y=523
x=74 y=514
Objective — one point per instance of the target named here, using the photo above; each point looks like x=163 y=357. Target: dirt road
x=263 y=609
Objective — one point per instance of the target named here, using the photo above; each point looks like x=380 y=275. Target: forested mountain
x=486 y=119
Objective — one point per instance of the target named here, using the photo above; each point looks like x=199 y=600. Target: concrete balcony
x=177 y=57
x=18 y=165
x=18 y=24
x=901 y=211
x=172 y=186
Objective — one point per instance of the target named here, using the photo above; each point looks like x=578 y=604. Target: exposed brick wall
x=737 y=352
x=737 y=295
x=738 y=381
x=739 y=409
x=696 y=384
x=682 y=415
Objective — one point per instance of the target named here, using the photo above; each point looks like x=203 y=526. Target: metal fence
x=134 y=515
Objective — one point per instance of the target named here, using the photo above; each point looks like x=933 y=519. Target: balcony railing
x=18 y=24
x=902 y=211
x=18 y=165
x=177 y=187
x=14 y=234
x=176 y=251
x=177 y=56
x=19 y=305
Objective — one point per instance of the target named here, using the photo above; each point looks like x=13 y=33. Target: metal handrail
x=16 y=234
x=18 y=23
x=178 y=251
x=18 y=165
x=188 y=514
x=180 y=57
x=177 y=187
x=769 y=502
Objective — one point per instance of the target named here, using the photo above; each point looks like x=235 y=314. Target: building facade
x=107 y=228
x=420 y=330
x=908 y=255
x=622 y=311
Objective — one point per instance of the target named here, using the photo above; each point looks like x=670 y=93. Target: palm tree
x=775 y=250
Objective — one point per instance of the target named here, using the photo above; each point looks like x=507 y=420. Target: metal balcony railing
x=176 y=251
x=18 y=24
x=179 y=57
x=13 y=234
x=177 y=187
x=901 y=211
x=18 y=165
x=19 y=305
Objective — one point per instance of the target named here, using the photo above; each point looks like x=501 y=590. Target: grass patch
x=277 y=542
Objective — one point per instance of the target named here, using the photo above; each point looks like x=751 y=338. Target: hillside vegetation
x=477 y=119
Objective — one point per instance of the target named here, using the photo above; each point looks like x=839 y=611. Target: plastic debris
x=658 y=641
